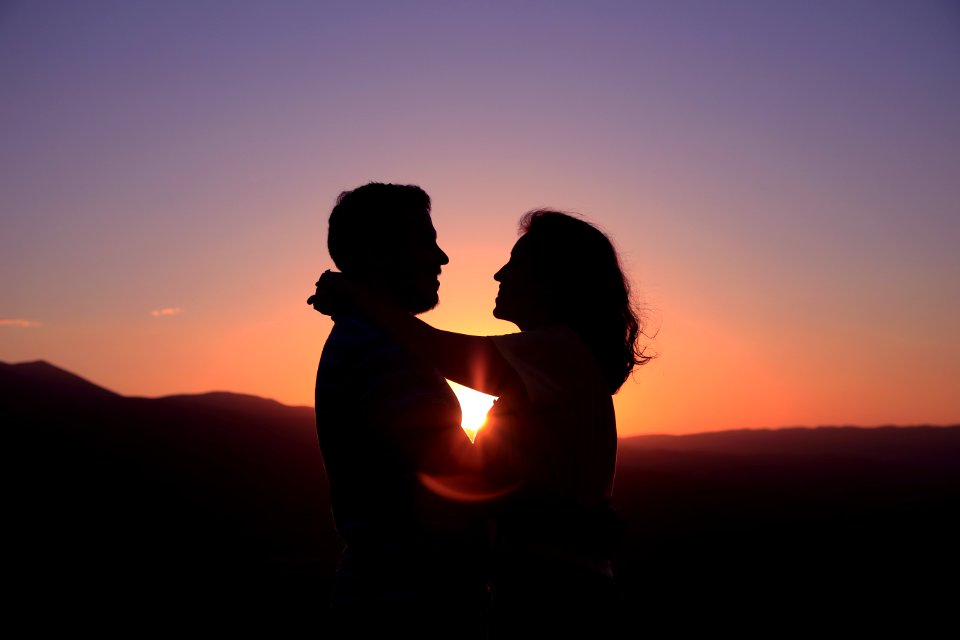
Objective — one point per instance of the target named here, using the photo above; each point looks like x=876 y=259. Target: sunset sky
x=781 y=178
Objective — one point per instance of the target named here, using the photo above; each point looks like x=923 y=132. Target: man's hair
x=368 y=216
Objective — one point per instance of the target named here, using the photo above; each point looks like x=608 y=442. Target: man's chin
x=422 y=304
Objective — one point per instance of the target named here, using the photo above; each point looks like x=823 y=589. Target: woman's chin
x=502 y=314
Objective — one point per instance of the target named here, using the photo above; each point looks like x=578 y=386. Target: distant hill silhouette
x=165 y=504
x=770 y=531
x=216 y=504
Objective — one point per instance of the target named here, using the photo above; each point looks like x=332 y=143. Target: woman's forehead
x=522 y=247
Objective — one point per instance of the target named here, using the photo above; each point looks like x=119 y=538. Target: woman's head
x=563 y=270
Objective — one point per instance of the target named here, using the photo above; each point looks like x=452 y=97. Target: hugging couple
x=511 y=535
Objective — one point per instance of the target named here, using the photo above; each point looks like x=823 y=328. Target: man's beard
x=415 y=295
x=417 y=303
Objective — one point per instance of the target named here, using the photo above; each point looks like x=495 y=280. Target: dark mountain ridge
x=181 y=502
x=935 y=444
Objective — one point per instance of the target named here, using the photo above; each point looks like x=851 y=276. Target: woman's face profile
x=519 y=298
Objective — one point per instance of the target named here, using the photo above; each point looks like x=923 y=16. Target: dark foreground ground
x=210 y=512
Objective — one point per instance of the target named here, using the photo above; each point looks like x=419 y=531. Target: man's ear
x=365 y=269
x=370 y=262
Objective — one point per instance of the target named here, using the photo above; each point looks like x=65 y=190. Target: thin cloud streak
x=167 y=311
x=18 y=322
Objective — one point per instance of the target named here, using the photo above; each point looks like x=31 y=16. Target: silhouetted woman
x=546 y=457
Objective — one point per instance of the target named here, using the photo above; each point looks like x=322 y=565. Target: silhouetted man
x=412 y=560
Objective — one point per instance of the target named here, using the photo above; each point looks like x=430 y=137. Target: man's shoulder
x=355 y=328
x=352 y=336
x=360 y=359
x=359 y=345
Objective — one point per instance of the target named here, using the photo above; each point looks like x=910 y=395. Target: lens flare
x=474 y=407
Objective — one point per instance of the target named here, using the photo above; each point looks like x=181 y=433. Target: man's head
x=382 y=235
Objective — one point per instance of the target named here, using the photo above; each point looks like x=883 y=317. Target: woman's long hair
x=585 y=287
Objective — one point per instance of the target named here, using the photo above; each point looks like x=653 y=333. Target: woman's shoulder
x=546 y=344
x=552 y=356
x=550 y=334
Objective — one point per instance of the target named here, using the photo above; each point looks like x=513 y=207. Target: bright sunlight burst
x=474 y=406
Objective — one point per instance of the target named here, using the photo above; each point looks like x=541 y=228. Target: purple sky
x=782 y=178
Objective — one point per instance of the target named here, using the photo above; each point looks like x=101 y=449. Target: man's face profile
x=408 y=262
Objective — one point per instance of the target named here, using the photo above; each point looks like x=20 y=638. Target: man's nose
x=444 y=258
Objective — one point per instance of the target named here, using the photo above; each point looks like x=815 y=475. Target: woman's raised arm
x=472 y=361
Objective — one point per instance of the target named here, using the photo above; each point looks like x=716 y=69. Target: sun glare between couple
x=474 y=407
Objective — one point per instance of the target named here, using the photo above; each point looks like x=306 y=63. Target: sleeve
x=543 y=361
x=526 y=427
x=561 y=433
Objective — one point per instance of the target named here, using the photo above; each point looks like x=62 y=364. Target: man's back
x=383 y=418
